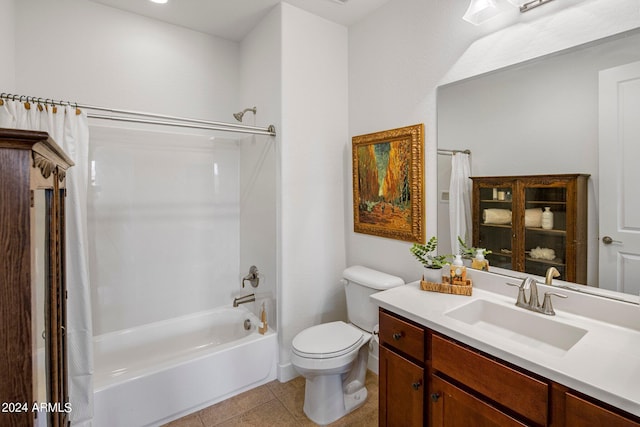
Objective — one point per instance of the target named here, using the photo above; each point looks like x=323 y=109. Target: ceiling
x=233 y=19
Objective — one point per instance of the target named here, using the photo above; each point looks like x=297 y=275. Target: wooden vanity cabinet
x=33 y=367
x=402 y=384
x=512 y=239
x=466 y=387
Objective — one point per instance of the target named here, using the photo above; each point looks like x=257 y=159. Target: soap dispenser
x=479 y=262
x=263 y=321
x=458 y=271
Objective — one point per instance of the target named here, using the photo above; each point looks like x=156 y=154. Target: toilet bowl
x=333 y=356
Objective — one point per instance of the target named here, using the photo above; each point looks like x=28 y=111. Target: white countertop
x=604 y=364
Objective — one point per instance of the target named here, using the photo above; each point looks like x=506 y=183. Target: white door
x=619 y=175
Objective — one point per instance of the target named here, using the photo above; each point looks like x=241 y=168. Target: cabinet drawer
x=402 y=335
x=515 y=390
x=581 y=413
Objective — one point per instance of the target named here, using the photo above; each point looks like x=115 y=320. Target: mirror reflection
x=550 y=116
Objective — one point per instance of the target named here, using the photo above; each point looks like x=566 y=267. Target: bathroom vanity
x=449 y=360
x=33 y=366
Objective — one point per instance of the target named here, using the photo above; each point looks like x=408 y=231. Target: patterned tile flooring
x=277 y=404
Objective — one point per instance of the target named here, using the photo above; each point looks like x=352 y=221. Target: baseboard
x=286 y=372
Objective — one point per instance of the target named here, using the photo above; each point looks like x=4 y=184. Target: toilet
x=333 y=356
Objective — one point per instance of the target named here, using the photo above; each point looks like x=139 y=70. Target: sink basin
x=517 y=324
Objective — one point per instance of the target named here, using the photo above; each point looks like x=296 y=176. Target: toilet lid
x=327 y=340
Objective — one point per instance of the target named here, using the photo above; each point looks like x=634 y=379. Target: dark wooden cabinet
x=582 y=412
x=451 y=406
x=508 y=220
x=402 y=384
x=33 y=367
x=455 y=385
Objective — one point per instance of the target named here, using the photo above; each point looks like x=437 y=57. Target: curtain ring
x=14 y=97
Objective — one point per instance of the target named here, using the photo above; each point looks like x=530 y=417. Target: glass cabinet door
x=545 y=225
x=495 y=217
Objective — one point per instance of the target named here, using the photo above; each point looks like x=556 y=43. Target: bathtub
x=153 y=374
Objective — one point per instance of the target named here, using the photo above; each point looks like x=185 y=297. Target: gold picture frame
x=388 y=183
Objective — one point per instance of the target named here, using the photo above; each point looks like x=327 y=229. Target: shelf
x=505 y=226
x=546 y=202
x=500 y=254
x=556 y=262
x=538 y=230
x=495 y=201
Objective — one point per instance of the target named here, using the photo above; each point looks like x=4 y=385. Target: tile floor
x=277 y=404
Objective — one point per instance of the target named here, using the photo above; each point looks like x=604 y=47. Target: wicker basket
x=447 y=288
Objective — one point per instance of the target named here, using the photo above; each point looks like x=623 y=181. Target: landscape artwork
x=388 y=187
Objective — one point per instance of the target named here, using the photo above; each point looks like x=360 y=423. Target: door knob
x=607 y=240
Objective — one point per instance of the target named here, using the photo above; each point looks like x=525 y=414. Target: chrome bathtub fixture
x=238 y=116
x=247 y=324
x=533 y=303
x=244 y=299
x=252 y=277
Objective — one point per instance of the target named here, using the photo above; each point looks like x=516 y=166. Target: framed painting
x=388 y=183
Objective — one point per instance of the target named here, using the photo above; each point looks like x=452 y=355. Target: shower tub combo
x=155 y=373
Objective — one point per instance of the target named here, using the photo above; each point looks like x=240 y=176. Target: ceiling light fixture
x=480 y=11
x=160 y=1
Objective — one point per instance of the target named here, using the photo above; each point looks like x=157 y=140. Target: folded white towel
x=496 y=216
x=533 y=217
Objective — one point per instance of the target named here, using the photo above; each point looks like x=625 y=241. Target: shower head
x=239 y=115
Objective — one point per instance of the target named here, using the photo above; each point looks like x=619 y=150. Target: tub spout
x=244 y=299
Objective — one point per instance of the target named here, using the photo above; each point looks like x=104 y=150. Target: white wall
x=7 y=46
x=314 y=139
x=404 y=50
x=82 y=51
x=397 y=56
x=102 y=56
x=260 y=87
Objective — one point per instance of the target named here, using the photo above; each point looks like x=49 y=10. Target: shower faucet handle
x=252 y=277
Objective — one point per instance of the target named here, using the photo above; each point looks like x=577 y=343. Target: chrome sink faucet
x=533 y=303
x=244 y=299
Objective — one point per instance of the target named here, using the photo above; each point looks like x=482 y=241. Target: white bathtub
x=150 y=375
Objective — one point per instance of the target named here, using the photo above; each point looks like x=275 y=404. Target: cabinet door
x=547 y=237
x=401 y=388
x=493 y=220
x=450 y=406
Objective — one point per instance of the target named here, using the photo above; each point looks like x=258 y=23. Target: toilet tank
x=360 y=283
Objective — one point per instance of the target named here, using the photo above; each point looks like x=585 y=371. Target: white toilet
x=333 y=356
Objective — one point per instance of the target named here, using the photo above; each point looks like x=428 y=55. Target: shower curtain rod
x=446 y=152
x=164 y=119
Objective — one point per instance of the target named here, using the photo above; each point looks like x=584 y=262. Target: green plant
x=470 y=252
x=426 y=254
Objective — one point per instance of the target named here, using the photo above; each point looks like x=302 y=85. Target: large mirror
x=539 y=117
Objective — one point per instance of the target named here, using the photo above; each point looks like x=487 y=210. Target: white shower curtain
x=460 y=201
x=71 y=133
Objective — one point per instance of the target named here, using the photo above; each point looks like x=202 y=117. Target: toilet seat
x=328 y=340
